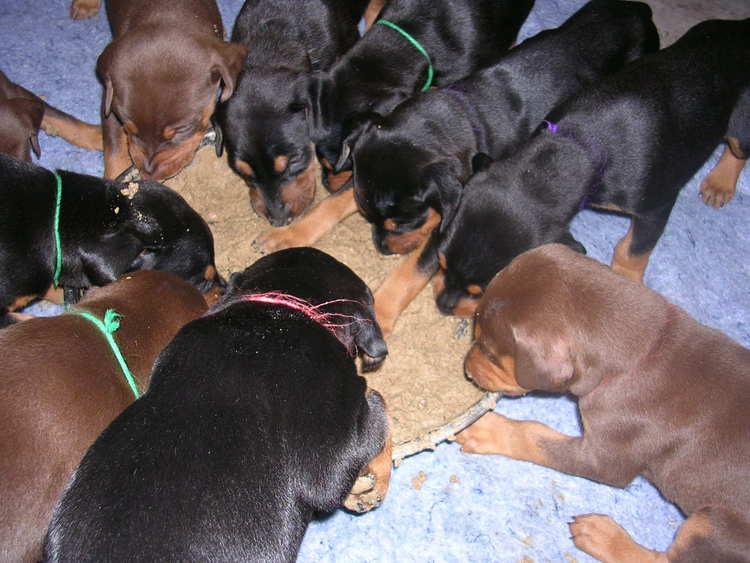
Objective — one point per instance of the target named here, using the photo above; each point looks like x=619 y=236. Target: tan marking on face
x=474 y=289
x=389 y=225
x=298 y=194
x=465 y=307
x=21 y=302
x=280 y=163
x=406 y=242
x=54 y=295
x=630 y=266
x=490 y=375
x=244 y=168
x=168 y=133
x=209 y=273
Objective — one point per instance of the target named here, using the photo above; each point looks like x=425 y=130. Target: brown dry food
x=130 y=190
x=418 y=481
x=422 y=380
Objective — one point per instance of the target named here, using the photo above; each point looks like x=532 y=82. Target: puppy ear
x=355 y=129
x=231 y=57
x=103 y=64
x=568 y=240
x=443 y=191
x=31 y=111
x=542 y=359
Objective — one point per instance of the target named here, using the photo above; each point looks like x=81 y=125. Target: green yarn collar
x=417 y=46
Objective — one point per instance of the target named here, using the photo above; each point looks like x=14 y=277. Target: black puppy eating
x=413 y=45
x=264 y=124
x=105 y=229
x=628 y=143
x=410 y=167
x=255 y=420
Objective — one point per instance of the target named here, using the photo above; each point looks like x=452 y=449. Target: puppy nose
x=446 y=301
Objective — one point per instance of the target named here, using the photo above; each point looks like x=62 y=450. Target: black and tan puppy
x=433 y=43
x=629 y=144
x=255 y=420
x=428 y=142
x=61 y=385
x=264 y=124
x=22 y=114
x=659 y=395
x=161 y=74
x=105 y=229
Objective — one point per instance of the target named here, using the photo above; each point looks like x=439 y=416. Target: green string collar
x=417 y=46
x=56 y=230
x=110 y=325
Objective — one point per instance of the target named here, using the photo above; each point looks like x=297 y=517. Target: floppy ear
x=355 y=129
x=542 y=359
x=219 y=141
x=443 y=191
x=568 y=240
x=229 y=58
x=103 y=64
x=32 y=112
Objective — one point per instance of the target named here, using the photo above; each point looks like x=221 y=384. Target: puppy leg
x=82 y=9
x=402 y=285
x=311 y=226
x=115 y=144
x=60 y=124
x=719 y=186
x=709 y=534
x=631 y=254
x=538 y=443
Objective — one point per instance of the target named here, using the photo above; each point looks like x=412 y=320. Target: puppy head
x=172 y=236
x=162 y=87
x=524 y=330
x=268 y=142
x=400 y=190
x=497 y=219
x=20 y=120
x=321 y=280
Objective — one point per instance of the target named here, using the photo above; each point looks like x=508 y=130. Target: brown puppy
x=60 y=386
x=161 y=74
x=22 y=114
x=659 y=395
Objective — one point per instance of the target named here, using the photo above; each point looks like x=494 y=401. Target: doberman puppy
x=161 y=74
x=105 y=229
x=659 y=395
x=22 y=114
x=629 y=143
x=255 y=420
x=61 y=385
x=428 y=142
x=264 y=124
x=413 y=45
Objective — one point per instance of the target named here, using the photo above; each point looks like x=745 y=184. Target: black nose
x=447 y=300
x=379 y=237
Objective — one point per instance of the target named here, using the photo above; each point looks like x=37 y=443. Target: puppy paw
x=716 y=192
x=485 y=435
x=82 y=9
x=603 y=538
x=365 y=495
x=278 y=238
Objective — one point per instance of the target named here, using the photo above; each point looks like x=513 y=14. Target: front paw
x=603 y=538
x=716 y=191
x=485 y=436
x=278 y=238
x=82 y=9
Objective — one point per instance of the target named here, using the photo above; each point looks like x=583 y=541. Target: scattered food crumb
x=454 y=479
x=570 y=559
x=419 y=480
x=130 y=190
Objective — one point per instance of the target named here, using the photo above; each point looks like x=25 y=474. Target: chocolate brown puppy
x=161 y=74
x=659 y=395
x=61 y=384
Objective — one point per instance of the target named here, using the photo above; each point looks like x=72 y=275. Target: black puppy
x=428 y=142
x=628 y=143
x=264 y=123
x=105 y=229
x=255 y=420
x=414 y=44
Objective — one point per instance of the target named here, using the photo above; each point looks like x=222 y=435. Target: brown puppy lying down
x=22 y=114
x=60 y=386
x=659 y=394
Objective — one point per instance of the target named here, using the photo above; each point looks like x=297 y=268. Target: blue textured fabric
x=468 y=508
